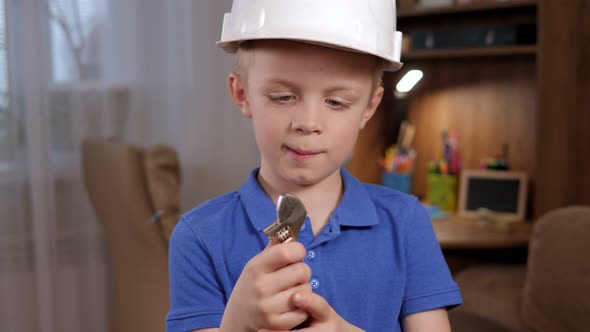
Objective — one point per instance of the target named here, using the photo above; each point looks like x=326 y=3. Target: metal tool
x=291 y=215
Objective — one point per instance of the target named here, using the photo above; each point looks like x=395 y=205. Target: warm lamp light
x=409 y=81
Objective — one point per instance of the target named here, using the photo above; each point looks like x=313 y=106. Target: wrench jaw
x=278 y=233
x=291 y=215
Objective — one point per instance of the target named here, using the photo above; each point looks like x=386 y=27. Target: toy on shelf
x=398 y=163
x=499 y=163
x=443 y=174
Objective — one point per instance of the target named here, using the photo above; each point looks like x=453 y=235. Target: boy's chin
x=303 y=181
x=306 y=178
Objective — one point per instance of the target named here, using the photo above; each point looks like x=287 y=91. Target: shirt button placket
x=314 y=283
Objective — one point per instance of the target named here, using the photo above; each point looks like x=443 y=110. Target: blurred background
x=144 y=72
x=115 y=119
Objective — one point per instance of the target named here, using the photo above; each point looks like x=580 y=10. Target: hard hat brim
x=232 y=46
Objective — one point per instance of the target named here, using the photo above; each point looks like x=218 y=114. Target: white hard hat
x=365 y=26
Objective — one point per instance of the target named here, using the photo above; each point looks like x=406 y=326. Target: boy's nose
x=307 y=121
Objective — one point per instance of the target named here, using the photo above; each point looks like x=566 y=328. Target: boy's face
x=307 y=104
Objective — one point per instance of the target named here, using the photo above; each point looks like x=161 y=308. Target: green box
x=442 y=191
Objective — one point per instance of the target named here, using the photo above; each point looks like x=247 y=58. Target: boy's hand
x=262 y=295
x=322 y=317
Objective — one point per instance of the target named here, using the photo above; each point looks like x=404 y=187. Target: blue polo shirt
x=376 y=261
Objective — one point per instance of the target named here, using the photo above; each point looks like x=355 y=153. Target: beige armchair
x=135 y=196
x=550 y=293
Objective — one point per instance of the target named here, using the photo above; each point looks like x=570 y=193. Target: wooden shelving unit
x=488 y=94
x=464 y=16
x=501 y=51
x=535 y=98
x=466 y=9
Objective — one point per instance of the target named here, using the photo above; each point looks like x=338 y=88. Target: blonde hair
x=244 y=60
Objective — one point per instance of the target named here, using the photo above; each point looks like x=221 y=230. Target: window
x=3 y=63
x=5 y=118
x=74 y=52
x=73 y=38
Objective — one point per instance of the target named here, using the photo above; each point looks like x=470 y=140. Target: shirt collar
x=355 y=208
x=260 y=208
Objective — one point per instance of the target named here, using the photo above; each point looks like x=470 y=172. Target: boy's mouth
x=300 y=154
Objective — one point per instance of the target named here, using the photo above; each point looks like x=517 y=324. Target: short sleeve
x=196 y=296
x=429 y=284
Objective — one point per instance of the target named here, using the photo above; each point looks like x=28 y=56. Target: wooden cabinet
x=563 y=116
x=535 y=98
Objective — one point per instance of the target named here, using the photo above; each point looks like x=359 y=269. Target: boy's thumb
x=315 y=305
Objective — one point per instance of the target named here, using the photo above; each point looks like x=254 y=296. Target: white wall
x=182 y=77
x=221 y=142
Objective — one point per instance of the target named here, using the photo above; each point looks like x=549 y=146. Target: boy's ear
x=238 y=93
x=372 y=106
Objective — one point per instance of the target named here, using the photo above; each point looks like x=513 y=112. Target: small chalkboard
x=499 y=191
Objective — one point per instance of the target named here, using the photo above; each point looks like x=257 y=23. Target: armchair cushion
x=492 y=292
x=162 y=170
x=557 y=286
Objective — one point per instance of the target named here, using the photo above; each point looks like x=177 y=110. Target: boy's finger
x=282 y=254
x=282 y=303
x=292 y=318
x=289 y=276
x=315 y=305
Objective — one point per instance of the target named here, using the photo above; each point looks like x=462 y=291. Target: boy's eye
x=334 y=103
x=282 y=98
x=285 y=98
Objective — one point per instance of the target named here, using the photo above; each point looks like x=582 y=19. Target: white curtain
x=145 y=71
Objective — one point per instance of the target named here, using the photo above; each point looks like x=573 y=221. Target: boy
x=308 y=75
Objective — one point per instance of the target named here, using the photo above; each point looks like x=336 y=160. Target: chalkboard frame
x=468 y=177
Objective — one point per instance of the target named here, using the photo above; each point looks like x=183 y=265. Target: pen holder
x=442 y=191
x=398 y=181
